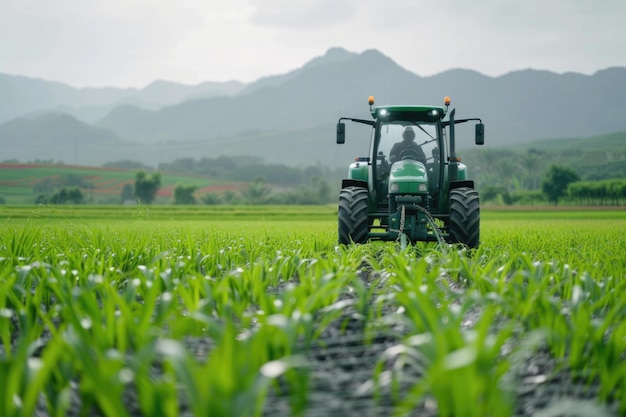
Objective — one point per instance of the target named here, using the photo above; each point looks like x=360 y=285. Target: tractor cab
x=407 y=158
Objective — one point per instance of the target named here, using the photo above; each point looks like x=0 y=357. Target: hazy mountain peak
x=162 y=84
x=528 y=73
x=375 y=59
x=47 y=132
x=463 y=76
x=374 y=53
x=49 y=119
x=611 y=71
x=332 y=56
x=337 y=51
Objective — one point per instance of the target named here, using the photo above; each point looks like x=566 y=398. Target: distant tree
x=51 y=184
x=312 y=171
x=495 y=194
x=73 y=195
x=528 y=198
x=183 y=194
x=41 y=199
x=229 y=196
x=2 y=200
x=531 y=163
x=146 y=187
x=507 y=172
x=256 y=192
x=606 y=192
x=127 y=194
x=211 y=199
x=554 y=184
x=323 y=189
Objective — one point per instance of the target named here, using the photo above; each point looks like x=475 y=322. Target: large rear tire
x=465 y=217
x=353 y=225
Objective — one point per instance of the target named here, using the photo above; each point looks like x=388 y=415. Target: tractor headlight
x=422 y=188
x=395 y=187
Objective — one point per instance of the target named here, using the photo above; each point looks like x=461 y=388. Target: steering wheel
x=409 y=153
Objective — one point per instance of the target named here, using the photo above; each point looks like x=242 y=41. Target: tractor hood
x=408 y=177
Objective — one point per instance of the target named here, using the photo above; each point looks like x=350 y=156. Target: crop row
x=194 y=319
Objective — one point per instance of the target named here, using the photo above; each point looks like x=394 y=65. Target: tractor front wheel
x=465 y=217
x=353 y=225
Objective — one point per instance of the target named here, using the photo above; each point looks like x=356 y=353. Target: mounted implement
x=412 y=186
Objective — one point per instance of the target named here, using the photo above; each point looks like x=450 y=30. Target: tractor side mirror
x=341 y=133
x=480 y=134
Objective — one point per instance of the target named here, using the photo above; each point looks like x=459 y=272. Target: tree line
x=264 y=183
x=598 y=193
x=534 y=176
x=63 y=190
x=145 y=189
x=501 y=176
x=247 y=168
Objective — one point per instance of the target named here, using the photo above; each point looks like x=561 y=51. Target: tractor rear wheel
x=353 y=225
x=465 y=217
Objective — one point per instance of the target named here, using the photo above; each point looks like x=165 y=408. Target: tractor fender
x=353 y=183
x=460 y=184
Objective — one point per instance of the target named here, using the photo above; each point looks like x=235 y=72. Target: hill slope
x=58 y=137
x=519 y=106
x=25 y=95
x=297 y=110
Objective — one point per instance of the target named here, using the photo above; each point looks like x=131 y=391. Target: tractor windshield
x=403 y=134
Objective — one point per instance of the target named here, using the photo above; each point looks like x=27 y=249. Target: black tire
x=353 y=225
x=465 y=217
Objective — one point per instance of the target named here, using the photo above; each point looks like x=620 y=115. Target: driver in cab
x=407 y=147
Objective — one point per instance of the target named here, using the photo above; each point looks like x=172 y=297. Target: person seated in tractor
x=407 y=148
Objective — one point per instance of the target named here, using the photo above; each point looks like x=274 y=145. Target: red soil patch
x=106 y=183
x=32 y=181
x=166 y=191
x=18 y=166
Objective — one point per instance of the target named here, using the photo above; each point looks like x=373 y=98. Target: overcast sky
x=130 y=43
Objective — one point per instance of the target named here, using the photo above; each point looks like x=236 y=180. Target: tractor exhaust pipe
x=453 y=168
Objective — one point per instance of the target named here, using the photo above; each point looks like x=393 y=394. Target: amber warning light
x=370 y=100
x=446 y=101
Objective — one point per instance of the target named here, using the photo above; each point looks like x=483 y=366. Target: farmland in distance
x=101 y=185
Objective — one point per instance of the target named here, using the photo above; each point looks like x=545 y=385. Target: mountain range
x=290 y=117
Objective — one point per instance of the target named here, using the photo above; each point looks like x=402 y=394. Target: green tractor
x=413 y=186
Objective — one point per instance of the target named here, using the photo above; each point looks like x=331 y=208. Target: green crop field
x=256 y=311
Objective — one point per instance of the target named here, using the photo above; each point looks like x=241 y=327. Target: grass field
x=224 y=311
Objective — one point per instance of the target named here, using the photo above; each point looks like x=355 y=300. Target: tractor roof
x=409 y=113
